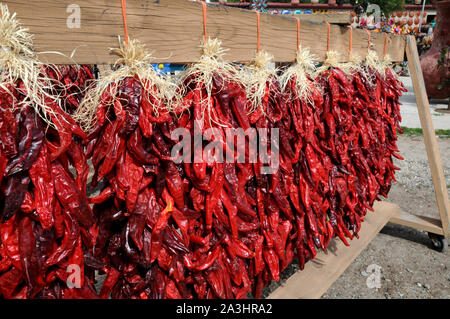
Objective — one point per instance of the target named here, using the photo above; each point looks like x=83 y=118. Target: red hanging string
x=328 y=38
x=124 y=15
x=368 y=40
x=298 y=34
x=350 y=44
x=257 y=30
x=204 y=20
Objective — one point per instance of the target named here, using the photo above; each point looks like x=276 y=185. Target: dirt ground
x=409 y=267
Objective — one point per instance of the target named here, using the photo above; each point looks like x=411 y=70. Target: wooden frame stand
x=173 y=30
x=439 y=227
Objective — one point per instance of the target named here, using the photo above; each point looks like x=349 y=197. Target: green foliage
x=443 y=63
x=407 y=131
x=388 y=6
x=419 y=132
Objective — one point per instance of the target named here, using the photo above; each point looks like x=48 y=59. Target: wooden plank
x=348 y=6
x=424 y=223
x=437 y=173
x=319 y=274
x=290 y=6
x=334 y=17
x=173 y=30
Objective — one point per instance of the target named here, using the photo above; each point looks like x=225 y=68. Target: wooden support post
x=437 y=173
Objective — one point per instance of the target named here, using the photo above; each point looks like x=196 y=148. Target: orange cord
x=350 y=44
x=257 y=30
x=368 y=40
x=385 y=44
x=204 y=20
x=328 y=39
x=298 y=34
x=124 y=15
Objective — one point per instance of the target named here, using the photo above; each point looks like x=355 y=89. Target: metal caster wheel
x=438 y=242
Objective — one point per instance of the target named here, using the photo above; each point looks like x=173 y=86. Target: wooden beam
x=423 y=107
x=423 y=223
x=287 y=5
x=320 y=273
x=345 y=6
x=173 y=30
x=333 y=17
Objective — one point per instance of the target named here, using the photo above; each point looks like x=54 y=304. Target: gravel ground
x=414 y=191
x=409 y=268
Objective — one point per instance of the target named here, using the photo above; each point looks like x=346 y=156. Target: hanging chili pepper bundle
x=268 y=111
x=219 y=238
x=308 y=178
x=44 y=215
x=70 y=83
x=339 y=135
x=128 y=120
x=384 y=88
x=357 y=146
